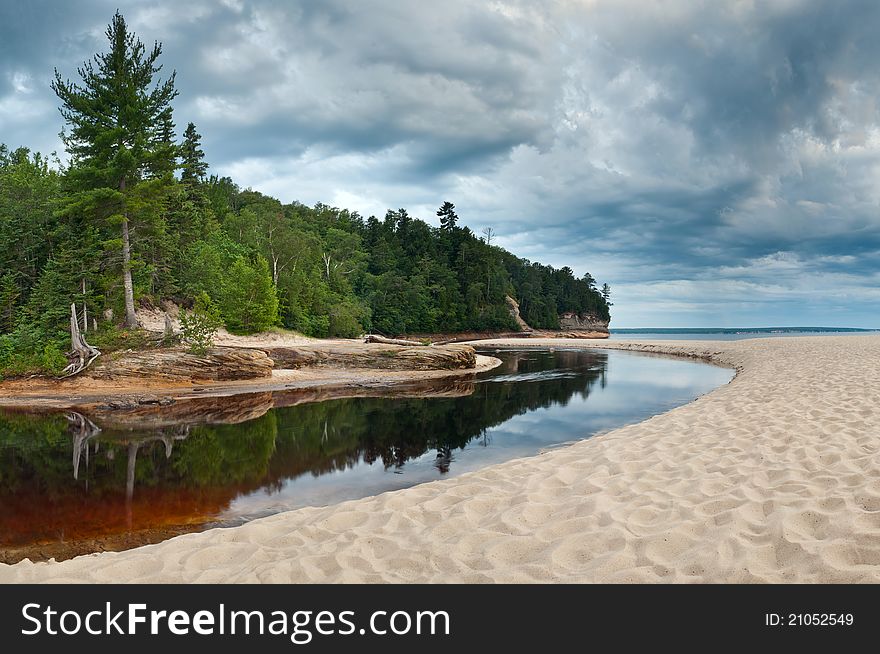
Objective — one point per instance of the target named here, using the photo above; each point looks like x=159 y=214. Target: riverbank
x=330 y=366
x=774 y=477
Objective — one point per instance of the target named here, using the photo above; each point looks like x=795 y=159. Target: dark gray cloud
x=715 y=162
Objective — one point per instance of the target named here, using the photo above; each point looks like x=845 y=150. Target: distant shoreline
x=740 y=330
x=733 y=334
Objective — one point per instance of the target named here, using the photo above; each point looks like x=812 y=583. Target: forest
x=132 y=217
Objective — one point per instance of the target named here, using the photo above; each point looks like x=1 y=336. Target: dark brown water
x=71 y=483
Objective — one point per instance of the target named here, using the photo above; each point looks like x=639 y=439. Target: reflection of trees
x=128 y=478
x=83 y=431
x=336 y=434
x=124 y=479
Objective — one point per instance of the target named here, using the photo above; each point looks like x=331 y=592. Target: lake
x=71 y=483
x=730 y=334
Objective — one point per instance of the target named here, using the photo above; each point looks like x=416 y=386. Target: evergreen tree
x=193 y=166
x=606 y=294
x=448 y=217
x=9 y=295
x=163 y=147
x=118 y=123
x=28 y=227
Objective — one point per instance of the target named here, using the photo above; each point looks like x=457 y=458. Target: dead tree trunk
x=85 y=308
x=372 y=338
x=127 y=285
x=81 y=354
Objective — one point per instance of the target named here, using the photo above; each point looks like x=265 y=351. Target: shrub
x=317 y=326
x=343 y=320
x=54 y=360
x=199 y=326
x=22 y=354
x=110 y=338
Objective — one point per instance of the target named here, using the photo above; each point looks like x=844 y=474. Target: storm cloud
x=716 y=163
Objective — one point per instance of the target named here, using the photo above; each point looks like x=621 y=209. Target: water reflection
x=224 y=460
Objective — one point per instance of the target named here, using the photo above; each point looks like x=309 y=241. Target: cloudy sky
x=717 y=163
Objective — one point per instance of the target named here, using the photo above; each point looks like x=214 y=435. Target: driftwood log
x=81 y=354
x=372 y=338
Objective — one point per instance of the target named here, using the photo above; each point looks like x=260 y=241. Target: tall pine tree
x=119 y=121
x=193 y=166
x=448 y=217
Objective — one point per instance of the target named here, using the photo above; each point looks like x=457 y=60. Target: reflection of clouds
x=151 y=464
x=638 y=387
x=633 y=369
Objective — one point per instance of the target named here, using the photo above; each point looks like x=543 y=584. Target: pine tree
x=193 y=166
x=9 y=295
x=118 y=121
x=164 y=148
x=448 y=217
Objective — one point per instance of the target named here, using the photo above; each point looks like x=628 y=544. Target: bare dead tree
x=85 y=308
x=489 y=233
x=81 y=354
x=328 y=264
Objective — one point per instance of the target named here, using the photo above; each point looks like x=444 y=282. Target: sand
x=774 y=477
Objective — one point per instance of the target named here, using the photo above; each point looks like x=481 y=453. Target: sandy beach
x=774 y=477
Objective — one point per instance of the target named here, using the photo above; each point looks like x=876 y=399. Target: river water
x=70 y=478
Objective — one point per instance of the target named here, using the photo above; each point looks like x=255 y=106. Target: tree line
x=134 y=218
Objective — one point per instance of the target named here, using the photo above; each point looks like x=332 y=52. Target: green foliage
x=53 y=361
x=346 y=319
x=199 y=326
x=110 y=338
x=118 y=116
x=120 y=136
x=320 y=270
x=28 y=192
x=193 y=167
x=247 y=299
x=9 y=294
x=21 y=355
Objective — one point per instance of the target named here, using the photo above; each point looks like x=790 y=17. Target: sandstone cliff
x=514 y=311
x=586 y=322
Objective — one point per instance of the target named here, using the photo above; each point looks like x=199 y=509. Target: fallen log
x=372 y=338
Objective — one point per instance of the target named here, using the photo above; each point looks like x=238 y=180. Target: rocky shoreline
x=158 y=378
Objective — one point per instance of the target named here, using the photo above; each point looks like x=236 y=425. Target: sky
x=716 y=163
